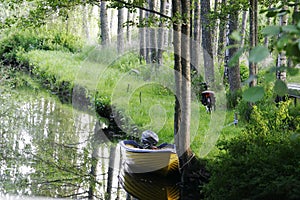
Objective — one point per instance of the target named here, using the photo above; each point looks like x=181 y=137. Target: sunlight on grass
x=145 y=94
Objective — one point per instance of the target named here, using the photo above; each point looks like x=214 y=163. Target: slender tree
x=233 y=70
x=85 y=22
x=161 y=33
x=207 y=43
x=195 y=50
x=142 y=36
x=243 y=27
x=104 y=24
x=253 y=70
x=281 y=59
x=153 y=36
x=222 y=32
x=120 y=38
x=184 y=130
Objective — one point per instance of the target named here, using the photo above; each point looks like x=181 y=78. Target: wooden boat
x=149 y=187
x=162 y=160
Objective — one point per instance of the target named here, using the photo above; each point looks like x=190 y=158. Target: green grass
x=143 y=94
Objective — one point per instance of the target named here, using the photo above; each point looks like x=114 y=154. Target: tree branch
x=130 y=5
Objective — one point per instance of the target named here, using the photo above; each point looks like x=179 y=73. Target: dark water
x=48 y=150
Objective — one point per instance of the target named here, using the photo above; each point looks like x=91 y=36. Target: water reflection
x=48 y=149
x=149 y=187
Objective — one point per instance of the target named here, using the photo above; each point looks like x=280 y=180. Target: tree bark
x=142 y=35
x=233 y=71
x=184 y=130
x=161 y=34
x=222 y=36
x=282 y=60
x=243 y=28
x=195 y=50
x=253 y=70
x=85 y=23
x=120 y=30
x=128 y=29
x=152 y=38
x=104 y=24
x=176 y=10
x=207 y=43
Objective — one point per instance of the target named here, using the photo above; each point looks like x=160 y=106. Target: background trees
x=81 y=17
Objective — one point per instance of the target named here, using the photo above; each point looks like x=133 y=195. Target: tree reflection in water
x=46 y=149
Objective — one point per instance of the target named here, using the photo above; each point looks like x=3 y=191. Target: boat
x=148 y=187
x=162 y=159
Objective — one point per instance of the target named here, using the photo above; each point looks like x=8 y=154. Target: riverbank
x=136 y=97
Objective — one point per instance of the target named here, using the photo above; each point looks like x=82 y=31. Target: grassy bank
x=142 y=97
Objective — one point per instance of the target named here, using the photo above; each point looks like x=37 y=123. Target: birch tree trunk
x=104 y=24
x=120 y=42
x=161 y=34
x=282 y=60
x=253 y=70
x=142 y=35
x=243 y=28
x=153 y=37
x=85 y=23
x=128 y=29
x=195 y=50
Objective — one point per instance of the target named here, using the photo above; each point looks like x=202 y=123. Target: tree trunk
x=120 y=30
x=104 y=24
x=176 y=10
x=282 y=60
x=152 y=38
x=161 y=34
x=233 y=71
x=195 y=50
x=243 y=29
x=207 y=43
x=142 y=35
x=85 y=23
x=184 y=131
x=253 y=40
x=222 y=36
x=128 y=30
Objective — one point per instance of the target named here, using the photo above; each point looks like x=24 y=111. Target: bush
x=261 y=163
x=27 y=40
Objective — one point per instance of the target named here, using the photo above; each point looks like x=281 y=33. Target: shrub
x=261 y=163
x=27 y=40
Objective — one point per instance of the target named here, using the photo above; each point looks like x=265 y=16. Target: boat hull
x=163 y=161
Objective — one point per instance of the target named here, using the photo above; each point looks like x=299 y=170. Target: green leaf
x=290 y=29
x=235 y=58
x=271 y=30
x=280 y=88
x=235 y=35
x=271 y=14
x=253 y=94
x=281 y=43
x=258 y=54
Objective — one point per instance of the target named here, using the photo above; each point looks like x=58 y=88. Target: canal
x=49 y=149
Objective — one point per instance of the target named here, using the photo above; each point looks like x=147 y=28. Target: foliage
x=233 y=98
x=27 y=40
x=262 y=162
x=289 y=34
